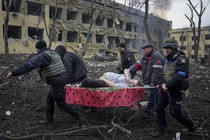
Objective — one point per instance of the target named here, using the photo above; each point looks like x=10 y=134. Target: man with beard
x=127 y=59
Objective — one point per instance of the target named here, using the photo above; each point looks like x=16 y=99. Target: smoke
x=161 y=7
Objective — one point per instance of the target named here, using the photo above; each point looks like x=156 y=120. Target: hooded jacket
x=75 y=67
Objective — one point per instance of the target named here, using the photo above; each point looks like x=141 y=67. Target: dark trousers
x=75 y=79
x=173 y=98
x=57 y=94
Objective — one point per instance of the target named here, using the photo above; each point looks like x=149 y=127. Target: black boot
x=158 y=134
x=193 y=129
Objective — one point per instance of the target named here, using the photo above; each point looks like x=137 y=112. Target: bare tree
x=51 y=36
x=199 y=14
x=7 y=4
x=149 y=38
x=92 y=21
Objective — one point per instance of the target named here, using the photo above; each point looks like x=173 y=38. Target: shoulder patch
x=183 y=60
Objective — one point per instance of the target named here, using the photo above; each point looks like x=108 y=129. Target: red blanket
x=103 y=97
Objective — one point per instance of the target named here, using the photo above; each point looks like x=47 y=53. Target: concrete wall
x=102 y=8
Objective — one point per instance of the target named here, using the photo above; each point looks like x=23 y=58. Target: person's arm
x=157 y=70
x=38 y=61
x=131 y=59
x=109 y=83
x=127 y=74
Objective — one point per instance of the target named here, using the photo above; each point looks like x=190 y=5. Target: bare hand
x=102 y=78
x=9 y=75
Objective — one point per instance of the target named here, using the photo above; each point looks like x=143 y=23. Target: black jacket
x=41 y=60
x=127 y=60
x=75 y=67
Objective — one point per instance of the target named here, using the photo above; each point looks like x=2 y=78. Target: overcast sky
x=178 y=8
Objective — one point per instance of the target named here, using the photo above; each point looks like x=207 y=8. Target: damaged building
x=73 y=23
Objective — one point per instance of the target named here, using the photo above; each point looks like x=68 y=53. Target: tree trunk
x=7 y=4
x=145 y=21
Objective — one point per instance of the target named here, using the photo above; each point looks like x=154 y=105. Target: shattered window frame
x=72 y=36
x=86 y=18
x=34 y=8
x=14 y=31
x=59 y=14
x=35 y=33
x=15 y=6
x=71 y=15
x=99 y=38
x=99 y=21
x=128 y=27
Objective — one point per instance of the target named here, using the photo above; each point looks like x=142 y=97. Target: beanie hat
x=122 y=45
x=41 y=44
x=147 y=46
x=61 y=50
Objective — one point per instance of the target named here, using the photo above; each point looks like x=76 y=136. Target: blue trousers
x=152 y=99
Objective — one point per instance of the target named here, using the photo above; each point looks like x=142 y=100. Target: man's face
x=37 y=50
x=147 y=50
x=121 y=49
x=168 y=50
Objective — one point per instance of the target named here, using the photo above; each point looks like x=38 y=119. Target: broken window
x=207 y=37
x=135 y=43
x=109 y=23
x=71 y=15
x=72 y=36
x=14 y=32
x=194 y=38
x=128 y=43
x=111 y=40
x=35 y=33
x=99 y=38
x=182 y=47
x=117 y=41
x=15 y=5
x=99 y=21
x=182 y=38
x=121 y=25
x=34 y=8
x=135 y=28
x=89 y=38
x=128 y=27
x=53 y=11
x=86 y=18
x=60 y=36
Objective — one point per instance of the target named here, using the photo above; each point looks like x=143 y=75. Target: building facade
x=185 y=38
x=32 y=20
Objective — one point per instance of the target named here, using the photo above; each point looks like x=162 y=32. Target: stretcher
x=104 y=97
